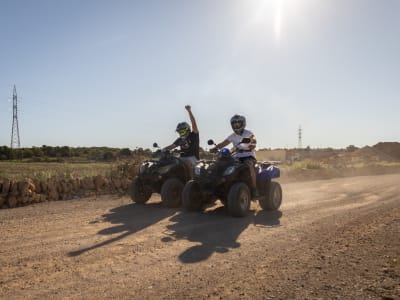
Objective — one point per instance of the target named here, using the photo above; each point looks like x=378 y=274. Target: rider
x=188 y=140
x=244 y=152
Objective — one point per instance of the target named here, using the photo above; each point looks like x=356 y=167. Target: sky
x=119 y=73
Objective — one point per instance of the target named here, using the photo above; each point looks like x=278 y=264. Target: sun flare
x=267 y=16
x=278 y=21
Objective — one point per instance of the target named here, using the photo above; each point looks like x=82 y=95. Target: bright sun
x=273 y=16
x=268 y=15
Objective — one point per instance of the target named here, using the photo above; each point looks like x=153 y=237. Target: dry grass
x=306 y=165
x=20 y=170
x=311 y=169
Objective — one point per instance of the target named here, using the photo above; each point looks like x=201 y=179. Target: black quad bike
x=166 y=176
x=229 y=180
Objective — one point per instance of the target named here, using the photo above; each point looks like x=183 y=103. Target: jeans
x=190 y=162
x=250 y=161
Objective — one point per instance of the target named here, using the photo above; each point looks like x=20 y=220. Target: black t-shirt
x=189 y=146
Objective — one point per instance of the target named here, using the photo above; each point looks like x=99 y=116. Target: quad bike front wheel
x=273 y=196
x=138 y=192
x=171 y=192
x=191 y=196
x=239 y=199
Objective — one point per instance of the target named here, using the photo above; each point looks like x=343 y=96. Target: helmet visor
x=183 y=132
x=236 y=124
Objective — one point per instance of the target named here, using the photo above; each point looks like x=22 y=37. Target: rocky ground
x=336 y=238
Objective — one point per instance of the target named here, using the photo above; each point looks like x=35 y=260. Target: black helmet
x=183 y=129
x=238 y=123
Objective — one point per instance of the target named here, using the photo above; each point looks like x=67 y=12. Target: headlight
x=197 y=170
x=198 y=167
x=143 y=168
x=229 y=170
x=165 y=169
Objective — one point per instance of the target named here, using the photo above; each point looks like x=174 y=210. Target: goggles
x=183 y=132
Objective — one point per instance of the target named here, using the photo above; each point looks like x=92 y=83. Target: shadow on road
x=215 y=231
x=130 y=219
x=268 y=218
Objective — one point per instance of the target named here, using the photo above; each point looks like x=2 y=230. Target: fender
x=267 y=172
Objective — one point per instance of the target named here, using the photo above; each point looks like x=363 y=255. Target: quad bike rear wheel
x=171 y=192
x=273 y=196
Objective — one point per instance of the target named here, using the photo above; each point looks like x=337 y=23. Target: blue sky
x=118 y=73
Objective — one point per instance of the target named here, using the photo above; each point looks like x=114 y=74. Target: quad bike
x=229 y=180
x=166 y=176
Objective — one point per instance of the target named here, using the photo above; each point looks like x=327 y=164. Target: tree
x=5 y=153
x=125 y=152
x=108 y=156
x=351 y=148
x=37 y=152
x=27 y=153
x=65 y=151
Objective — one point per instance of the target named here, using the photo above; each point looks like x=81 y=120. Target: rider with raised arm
x=188 y=140
x=244 y=152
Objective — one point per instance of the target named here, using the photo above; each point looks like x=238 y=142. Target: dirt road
x=331 y=239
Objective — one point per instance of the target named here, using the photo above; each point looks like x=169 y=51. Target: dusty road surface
x=331 y=239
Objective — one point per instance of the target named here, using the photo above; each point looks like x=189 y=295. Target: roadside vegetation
x=70 y=154
x=64 y=162
x=313 y=169
x=65 y=170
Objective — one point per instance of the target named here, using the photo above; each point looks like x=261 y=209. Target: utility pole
x=15 y=141
x=299 y=141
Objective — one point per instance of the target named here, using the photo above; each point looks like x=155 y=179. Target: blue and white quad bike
x=229 y=180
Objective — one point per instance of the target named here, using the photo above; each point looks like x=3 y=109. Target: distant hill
x=391 y=149
x=384 y=151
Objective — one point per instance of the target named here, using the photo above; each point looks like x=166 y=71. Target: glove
x=214 y=150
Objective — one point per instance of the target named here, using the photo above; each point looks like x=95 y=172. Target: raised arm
x=192 y=119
